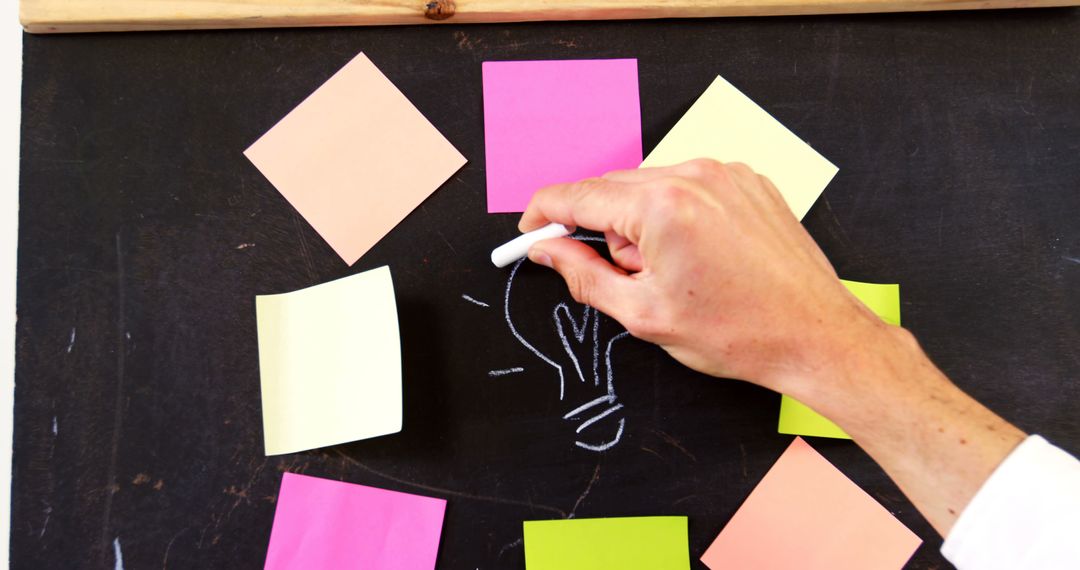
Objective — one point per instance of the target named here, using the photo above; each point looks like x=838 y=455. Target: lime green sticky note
x=797 y=418
x=726 y=125
x=630 y=543
x=883 y=299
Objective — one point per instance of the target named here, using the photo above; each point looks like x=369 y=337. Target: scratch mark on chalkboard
x=940 y=225
x=303 y=245
x=475 y=302
x=45 y=525
x=1072 y=259
x=168 y=547
x=843 y=234
x=446 y=241
x=585 y=493
x=118 y=413
x=742 y=450
x=505 y=371
x=117 y=555
x=675 y=443
x=55 y=427
x=451 y=492
x=71 y=341
x=508 y=546
x=647 y=450
x=684 y=499
x=245 y=245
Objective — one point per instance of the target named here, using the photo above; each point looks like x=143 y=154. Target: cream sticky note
x=355 y=158
x=797 y=418
x=806 y=514
x=725 y=125
x=321 y=523
x=330 y=363
x=628 y=543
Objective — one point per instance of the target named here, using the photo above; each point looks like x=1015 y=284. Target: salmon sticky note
x=320 y=523
x=330 y=363
x=355 y=158
x=629 y=543
x=725 y=125
x=806 y=514
x=799 y=419
x=547 y=122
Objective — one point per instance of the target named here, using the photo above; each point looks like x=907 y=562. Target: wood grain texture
x=56 y=16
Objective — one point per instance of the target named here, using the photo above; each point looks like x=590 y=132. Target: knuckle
x=643 y=321
x=672 y=203
x=704 y=167
x=581 y=284
x=740 y=168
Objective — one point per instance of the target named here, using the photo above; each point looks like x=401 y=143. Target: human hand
x=710 y=264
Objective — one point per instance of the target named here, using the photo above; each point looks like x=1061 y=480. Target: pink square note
x=355 y=158
x=547 y=122
x=806 y=514
x=321 y=523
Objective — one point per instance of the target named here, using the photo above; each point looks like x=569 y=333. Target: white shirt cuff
x=1026 y=515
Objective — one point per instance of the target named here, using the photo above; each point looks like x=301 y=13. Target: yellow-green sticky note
x=628 y=543
x=725 y=125
x=797 y=418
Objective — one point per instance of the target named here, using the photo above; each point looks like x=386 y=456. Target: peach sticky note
x=806 y=514
x=547 y=122
x=321 y=523
x=355 y=158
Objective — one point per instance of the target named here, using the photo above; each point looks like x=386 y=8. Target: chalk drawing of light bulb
x=545 y=320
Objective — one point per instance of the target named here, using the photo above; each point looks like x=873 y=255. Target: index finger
x=594 y=203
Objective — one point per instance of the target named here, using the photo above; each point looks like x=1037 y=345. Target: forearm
x=912 y=420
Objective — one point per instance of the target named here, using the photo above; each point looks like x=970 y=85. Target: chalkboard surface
x=144 y=236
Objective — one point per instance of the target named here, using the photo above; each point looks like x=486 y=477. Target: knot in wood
x=439 y=9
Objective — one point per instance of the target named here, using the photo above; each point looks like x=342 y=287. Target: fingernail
x=539 y=257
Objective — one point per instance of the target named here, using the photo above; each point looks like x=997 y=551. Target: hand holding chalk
x=518 y=247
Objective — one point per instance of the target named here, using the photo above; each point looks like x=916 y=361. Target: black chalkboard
x=145 y=234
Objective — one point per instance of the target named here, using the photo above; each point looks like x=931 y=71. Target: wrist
x=858 y=369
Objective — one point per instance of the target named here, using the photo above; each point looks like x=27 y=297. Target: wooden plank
x=55 y=16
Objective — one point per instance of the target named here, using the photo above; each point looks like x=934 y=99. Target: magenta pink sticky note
x=547 y=122
x=321 y=523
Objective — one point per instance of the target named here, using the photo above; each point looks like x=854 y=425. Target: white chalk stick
x=518 y=247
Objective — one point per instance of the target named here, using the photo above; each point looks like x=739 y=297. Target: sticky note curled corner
x=806 y=514
x=625 y=543
x=726 y=125
x=355 y=158
x=797 y=418
x=330 y=363
x=321 y=523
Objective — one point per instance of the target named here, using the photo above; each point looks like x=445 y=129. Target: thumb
x=591 y=278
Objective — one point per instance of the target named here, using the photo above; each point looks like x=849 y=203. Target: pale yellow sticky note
x=330 y=363
x=798 y=418
x=725 y=125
